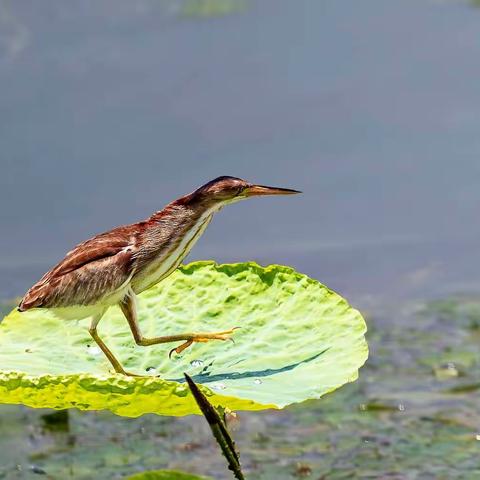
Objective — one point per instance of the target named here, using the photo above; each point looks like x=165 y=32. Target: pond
x=112 y=109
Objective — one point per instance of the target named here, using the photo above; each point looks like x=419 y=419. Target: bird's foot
x=135 y=375
x=203 y=338
x=129 y=374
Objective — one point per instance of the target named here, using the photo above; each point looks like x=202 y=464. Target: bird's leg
x=108 y=353
x=129 y=309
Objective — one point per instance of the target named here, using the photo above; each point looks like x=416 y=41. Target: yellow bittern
x=115 y=266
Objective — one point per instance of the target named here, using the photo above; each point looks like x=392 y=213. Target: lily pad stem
x=219 y=429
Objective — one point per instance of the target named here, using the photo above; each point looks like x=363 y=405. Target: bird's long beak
x=256 y=190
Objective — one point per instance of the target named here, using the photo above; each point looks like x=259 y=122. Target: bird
x=114 y=267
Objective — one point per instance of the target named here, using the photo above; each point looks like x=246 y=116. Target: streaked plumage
x=111 y=268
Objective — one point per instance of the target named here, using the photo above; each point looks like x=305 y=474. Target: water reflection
x=211 y=8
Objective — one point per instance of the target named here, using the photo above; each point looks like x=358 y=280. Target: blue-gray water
x=111 y=109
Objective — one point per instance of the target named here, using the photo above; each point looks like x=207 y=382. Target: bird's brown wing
x=92 y=270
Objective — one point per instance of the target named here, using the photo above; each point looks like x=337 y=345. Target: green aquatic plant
x=218 y=426
x=298 y=341
x=165 y=475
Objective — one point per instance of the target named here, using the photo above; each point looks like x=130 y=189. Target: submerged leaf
x=165 y=475
x=298 y=341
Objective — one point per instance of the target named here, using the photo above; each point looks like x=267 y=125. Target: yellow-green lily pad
x=298 y=340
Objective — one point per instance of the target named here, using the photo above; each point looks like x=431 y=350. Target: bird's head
x=226 y=190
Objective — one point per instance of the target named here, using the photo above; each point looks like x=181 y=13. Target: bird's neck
x=167 y=228
x=167 y=238
x=184 y=212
